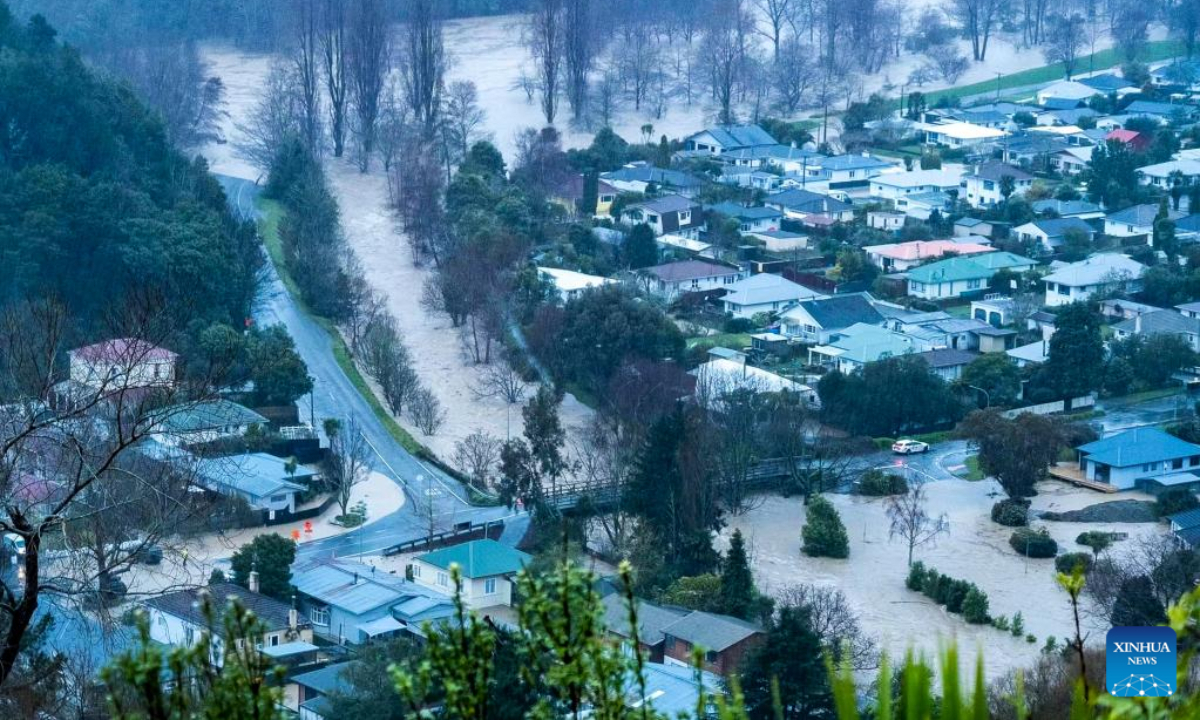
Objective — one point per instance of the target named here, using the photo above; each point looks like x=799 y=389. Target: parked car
x=909 y=447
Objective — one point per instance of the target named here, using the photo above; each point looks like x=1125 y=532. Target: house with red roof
x=1135 y=140
x=898 y=257
x=122 y=363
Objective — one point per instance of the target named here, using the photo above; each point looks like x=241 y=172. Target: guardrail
x=461 y=531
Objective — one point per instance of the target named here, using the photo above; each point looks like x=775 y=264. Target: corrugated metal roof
x=711 y=631
x=335 y=584
x=478 y=558
x=1138 y=446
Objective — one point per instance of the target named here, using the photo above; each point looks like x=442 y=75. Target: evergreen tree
x=591 y=192
x=975 y=606
x=1075 y=365
x=792 y=657
x=1136 y=604
x=824 y=534
x=738 y=594
x=272 y=556
x=639 y=249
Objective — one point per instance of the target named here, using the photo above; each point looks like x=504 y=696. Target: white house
x=1077 y=281
x=1051 y=235
x=982 y=186
x=914 y=182
x=1128 y=458
x=720 y=375
x=958 y=276
x=488 y=570
x=898 y=257
x=570 y=284
x=671 y=280
x=954 y=134
x=177 y=619
x=264 y=481
x=667 y=214
x=764 y=293
x=122 y=363
x=1066 y=90
x=1164 y=174
x=1136 y=220
x=202 y=422
x=886 y=221
x=820 y=320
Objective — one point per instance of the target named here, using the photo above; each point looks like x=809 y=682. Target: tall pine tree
x=792 y=656
x=738 y=594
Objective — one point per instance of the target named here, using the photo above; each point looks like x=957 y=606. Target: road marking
x=418 y=462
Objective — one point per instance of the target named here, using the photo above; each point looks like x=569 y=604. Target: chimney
x=253 y=581
x=1137 y=324
x=293 y=615
x=355 y=578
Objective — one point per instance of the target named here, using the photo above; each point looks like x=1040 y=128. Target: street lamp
x=986 y=396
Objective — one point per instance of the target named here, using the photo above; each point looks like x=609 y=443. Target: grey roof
x=946 y=357
x=1058 y=103
x=671 y=690
x=1057 y=227
x=842 y=311
x=711 y=631
x=741 y=212
x=766 y=288
x=1191 y=535
x=689 y=270
x=1074 y=115
x=807 y=201
x=1065 y=208
x=328 y=679
x=334 y=582
x=207 y=415
x=257 y=475
x=738 y=136
x=186 y=604
x=666 y=204
x=651 y=618
x=997 y=170
x=1148 y=107
x=651 y=174
x=1099 y=268
x=968 y=222
x=1141 y=215
x=853 y=162
x=1107 y=83
x=1191 y=223
x=1138 y=446
x=1159 y=322
x=1186 y=519
x=1189 y=307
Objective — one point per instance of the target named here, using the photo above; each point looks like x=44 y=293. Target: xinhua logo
x=1140 y=662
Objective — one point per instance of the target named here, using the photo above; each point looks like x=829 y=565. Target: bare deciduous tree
x=333 y=56
x=580 y=38
x=462 y=120
x=502 y=381
x=349 y=460
x=778 y=14
x=426 y=411
x=387 y=360
x=368 y=62
x=306 y=71
x=477 y=455
x=544 y=36
x=1065 y=41
x=275 y=118
x=911 y=522
x=834 y=621
x=424 y=63
x=978 y=18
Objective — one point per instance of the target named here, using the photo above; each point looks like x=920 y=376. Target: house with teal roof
x=860 y=344
x=488 y=569
x=957 y=276
x=1146 y=458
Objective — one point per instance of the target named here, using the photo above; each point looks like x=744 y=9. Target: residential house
x=1110 y=84
x=922 y=206
x=120 y=364
x=954 y=134
x=671 y=690
x=638 y=177
x=1190 y=309
x=1185 y=526
x=651 y=621
x=1161 y=322
x=725 y=640
x=947 y=363
x=913 y=182
x=1033 y=149
x=1138 y=142
x=570 y=284
x=957 y=276
x=1122 y=309
x=792 y=160
x=672 y=214
x=726 y=138
x=939 y=329
x=749 y=219
x=1072 y=116
x=728 y=370
x=847 y=171
x=671 y=280
x=1078 y=281
x=1177 y=74
x=780 y=240
x=1072 y=160
x=488 y=571
x=1165 y=174
x=764 y=293
x=264 y=481
x=1051 y=235
x=1066 y=90
x=348 y=602
x=203 y=422
x=994 y=309
x=747 y=177
x=688 y=246
x=805 y=205
x=1135 y=221
x=858 y=345
x=969 y=226
x=1160 y=111
x=1139 y=458
x=1080 y=209
x=819 y=321
x=898 y=257
x=1035 y=353
x=178 y=619
x=315 y=687
x=989 y=339
x=886 y=221
x=981 y=188
x=569 y=195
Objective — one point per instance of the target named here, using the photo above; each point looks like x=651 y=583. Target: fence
x=462 y=532
x=1050 y=408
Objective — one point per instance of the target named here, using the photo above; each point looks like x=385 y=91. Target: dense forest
x=95 y=203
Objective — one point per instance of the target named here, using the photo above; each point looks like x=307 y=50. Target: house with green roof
x=860 y=344
x=194 y=423
x=957 y=276
x=488 y=569
x=1146 y=458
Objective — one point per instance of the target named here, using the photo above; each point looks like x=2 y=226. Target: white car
x=909 y=447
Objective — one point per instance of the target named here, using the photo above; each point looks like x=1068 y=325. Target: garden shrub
x=824 y=534
x=1012 y=512
x=951 y=592
x=876 y=483
x=957 y=595
x=1097 y=540
x=1066 y=563
x=975 y=607
x=916 y=576
x=1033 y=543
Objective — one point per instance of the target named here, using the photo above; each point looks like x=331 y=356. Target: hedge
x=1034 y=543
x=877 y=483
x=958 y=596
x=1066 y=563
x=1012 y=512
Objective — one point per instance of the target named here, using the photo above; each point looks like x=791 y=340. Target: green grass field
x=733 y=341
x=269 y=228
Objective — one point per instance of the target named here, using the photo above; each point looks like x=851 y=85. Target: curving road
x=335 y=396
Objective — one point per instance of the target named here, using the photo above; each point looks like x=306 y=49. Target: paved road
x=336 y=397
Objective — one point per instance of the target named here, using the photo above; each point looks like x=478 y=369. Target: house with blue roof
x=1050 y=236
x=638 y=177
x=858 y=345
x=749 y=219
x=1145 y=458
x=264 y=481
x=957 y=276
x=488 y=570
x=727 y=138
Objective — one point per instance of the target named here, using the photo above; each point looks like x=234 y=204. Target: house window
x=1177 y=464
x=274 y=640
x=669 y=642
x=416 y=570
x=710 y=656
x=278 y=498
x=974 y=284
x=1150 y=467
x=319 y=615
x=443 y=579
x=489 y=586
x=916 y=286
